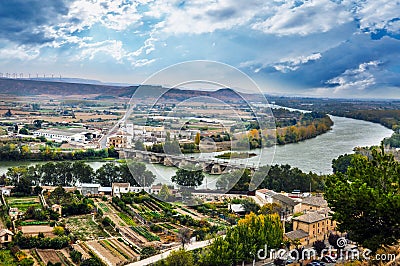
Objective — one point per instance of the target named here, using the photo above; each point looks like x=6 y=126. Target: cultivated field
x=23 y=203
x=113 y=251
x=84 y=227
x=53 y=256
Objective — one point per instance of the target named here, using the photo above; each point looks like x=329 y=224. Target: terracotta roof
x=298 y=234
x=315 y=201
x=311 y=217
x=120 y=184
x=4 y=232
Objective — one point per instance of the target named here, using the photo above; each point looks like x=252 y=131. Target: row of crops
x=141 y=230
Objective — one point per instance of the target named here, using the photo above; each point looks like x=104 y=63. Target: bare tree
x=184 y=235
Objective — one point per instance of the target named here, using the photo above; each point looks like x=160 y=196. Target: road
x=161 y=256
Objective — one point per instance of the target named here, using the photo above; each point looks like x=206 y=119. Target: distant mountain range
x=25 y=87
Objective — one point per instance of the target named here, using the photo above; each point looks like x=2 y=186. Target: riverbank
x=314 y=155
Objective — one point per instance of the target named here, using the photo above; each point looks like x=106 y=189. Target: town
x=79 y=187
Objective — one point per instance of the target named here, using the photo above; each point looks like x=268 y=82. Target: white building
x=58 y=135
x=122 y=188
x=89 y=189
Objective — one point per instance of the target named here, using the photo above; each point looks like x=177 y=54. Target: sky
x=323 y=48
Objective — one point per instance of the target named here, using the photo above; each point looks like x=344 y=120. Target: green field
x=23 y=203
x=126 y=219
x=104 y=207
x=6 y=259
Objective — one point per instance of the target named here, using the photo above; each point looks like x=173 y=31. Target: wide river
x=310 y=155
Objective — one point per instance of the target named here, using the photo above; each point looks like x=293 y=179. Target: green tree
x=139 y=146
x=58 y=230
x=172 y=147
x=82 y=172
x=188 y=178
x=23 y=187
x=164 y=193
x=179 y=258
x=319 y=245
x=366 y=200
x=343 y=162
x=24 y=131
x=249 y=205
x=76 y=256
x=26 y=262
x=242 y=242
x=107 y=174
x=37 y=190
x=136 y=174
x=219 y=253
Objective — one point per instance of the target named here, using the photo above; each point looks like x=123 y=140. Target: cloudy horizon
x=325 y=48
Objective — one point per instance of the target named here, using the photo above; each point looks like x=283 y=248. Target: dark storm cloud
x=21 y=21
x=348 y=55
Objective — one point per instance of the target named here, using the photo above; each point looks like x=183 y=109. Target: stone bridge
x=211 y=166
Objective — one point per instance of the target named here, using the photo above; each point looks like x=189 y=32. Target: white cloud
x=112 y=48
x=142 y=62
x=291 y=64
x=311 y=17
x=393 y=27
x=115 y=14
x=199 y=16
x=19 y=52
x=374 y=15
x=356 y=79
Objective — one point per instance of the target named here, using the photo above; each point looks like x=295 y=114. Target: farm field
x=51 y=255
x=112 y=251
x=128 y=220
x=83 y=227
x=23 y=203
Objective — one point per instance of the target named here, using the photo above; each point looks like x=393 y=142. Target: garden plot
x=53 y=256
x=83 y=227
x=108 y=255
x=83 y=250
x=23 y=203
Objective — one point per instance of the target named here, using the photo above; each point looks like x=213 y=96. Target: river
x=314 y=154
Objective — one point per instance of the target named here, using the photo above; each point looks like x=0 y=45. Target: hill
x=21 y=87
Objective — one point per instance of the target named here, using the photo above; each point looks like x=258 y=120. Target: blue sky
x=328 y=48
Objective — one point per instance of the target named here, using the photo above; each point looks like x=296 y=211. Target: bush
x=59 y=230
x=155 y=228
x=107 y=222
x=91 y=262
x=76 y=256
x=147 y=252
